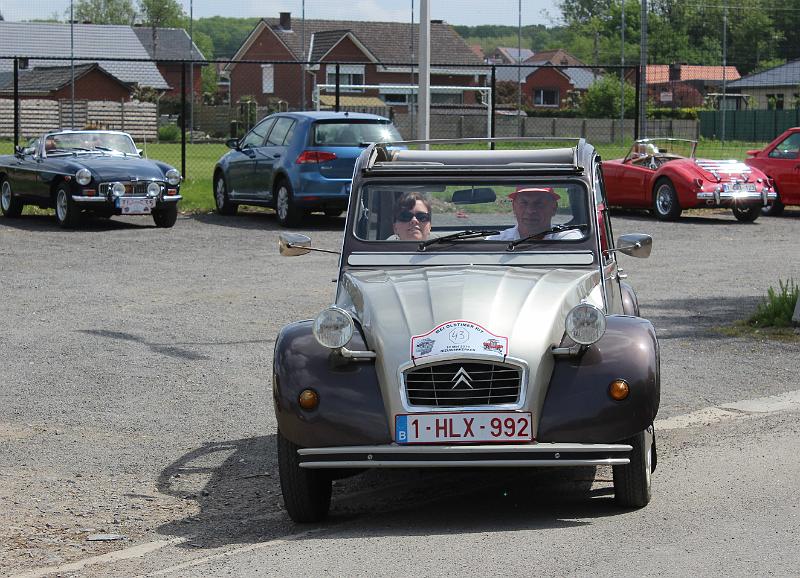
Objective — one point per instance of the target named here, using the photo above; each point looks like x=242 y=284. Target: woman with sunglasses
x=412 y=217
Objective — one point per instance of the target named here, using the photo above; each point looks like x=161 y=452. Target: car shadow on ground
x=236 y=486
x=698 y=318
x=47 y=223
x=268 y=221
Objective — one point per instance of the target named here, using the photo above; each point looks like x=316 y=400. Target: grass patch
x=773 y=316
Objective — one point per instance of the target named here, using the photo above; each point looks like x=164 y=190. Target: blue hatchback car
x=297 y=162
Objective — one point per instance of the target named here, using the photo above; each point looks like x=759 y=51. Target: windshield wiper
x=101 y=148
x=468 y=234
x=535 y=236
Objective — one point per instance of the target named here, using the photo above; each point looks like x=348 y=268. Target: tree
x=105 y=11
x=602 y=100
x=160 y=14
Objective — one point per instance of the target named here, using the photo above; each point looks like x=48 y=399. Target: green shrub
x=777 y=309
x=169 y=133
x=673 y=113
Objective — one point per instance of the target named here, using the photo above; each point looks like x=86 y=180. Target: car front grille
x=134 y=188
x=472 y=383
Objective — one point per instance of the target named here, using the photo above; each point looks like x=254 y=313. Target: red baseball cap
x=545 y=190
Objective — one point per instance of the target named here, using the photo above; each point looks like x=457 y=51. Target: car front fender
x=350 y=410
x=578 y=407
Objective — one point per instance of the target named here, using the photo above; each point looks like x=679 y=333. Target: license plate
x=136 y=206
x=481 y=427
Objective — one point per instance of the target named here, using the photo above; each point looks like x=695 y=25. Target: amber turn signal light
x=308 y=399
x=619 y=389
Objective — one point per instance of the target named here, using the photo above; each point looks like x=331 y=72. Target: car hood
x=521 y=308
x=119 y=168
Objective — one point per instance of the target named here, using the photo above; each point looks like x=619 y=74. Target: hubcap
x=61 y=206
x=5 y=198
x=220 y=193
x=664 y=199
x=282 y=205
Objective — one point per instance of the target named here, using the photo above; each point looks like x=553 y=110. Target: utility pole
x=723 y=103
x=622 y=79
x=72 y=63
x=643 y=73
x=519 y=68
x=424 y=120
x=191 y=74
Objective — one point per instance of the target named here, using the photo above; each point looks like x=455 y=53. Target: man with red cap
x=534 y=207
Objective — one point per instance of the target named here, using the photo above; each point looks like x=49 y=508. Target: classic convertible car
x=780 y=161
x=453 y=343
x=663 y=175
x=88 y=171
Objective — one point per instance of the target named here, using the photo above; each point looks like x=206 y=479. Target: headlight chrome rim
x=585 y=324
x=83 y=176
x=173 y=176
x=333 y=327
x=153 y=189
x=117 y=189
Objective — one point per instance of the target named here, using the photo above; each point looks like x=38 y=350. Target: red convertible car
x=780 y=161
x=664 y=176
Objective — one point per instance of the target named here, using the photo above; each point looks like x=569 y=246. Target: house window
x=395 y=98
x=775 y=101
x=348 y=74
x=545 y=97
x=267 y=78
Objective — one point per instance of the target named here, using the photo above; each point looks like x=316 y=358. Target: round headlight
x=153 y=189
x=333 y=328
x=83 y=176
x=585 y=324
x=117 y=189
x=173 y=176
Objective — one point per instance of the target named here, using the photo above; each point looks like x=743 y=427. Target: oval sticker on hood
x=458 y=337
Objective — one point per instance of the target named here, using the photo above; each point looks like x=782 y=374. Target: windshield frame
x=77 y=134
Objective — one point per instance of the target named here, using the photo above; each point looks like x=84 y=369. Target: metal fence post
x=337 y=88
x=183 y=119
x=638 y=102
x=16 y=101
x=492 y=100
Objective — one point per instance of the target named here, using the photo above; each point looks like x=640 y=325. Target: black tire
x=68 y=215
x=632 y=482
x=665 y=201
x=773 y=210
x=11 y=206
x=306 y=493
x=288 y=213
x=746 y=213
x=221 y=200
x=166 y=216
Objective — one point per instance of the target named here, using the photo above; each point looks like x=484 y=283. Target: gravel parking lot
x=135 y=393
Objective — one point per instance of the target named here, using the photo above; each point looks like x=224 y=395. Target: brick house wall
x=546 y=79
x=95 y=85
x=172 y=74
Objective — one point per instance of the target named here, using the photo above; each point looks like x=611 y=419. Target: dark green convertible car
x=88 y=171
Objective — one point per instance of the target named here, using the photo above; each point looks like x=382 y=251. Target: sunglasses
x=406 y=216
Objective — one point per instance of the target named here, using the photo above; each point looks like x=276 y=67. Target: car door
x=23 y=171
x=634 y=190
x=243 y=161
x=782 y=163
x=273 y=151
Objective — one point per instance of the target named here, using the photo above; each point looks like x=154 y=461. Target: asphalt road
x=135 y=408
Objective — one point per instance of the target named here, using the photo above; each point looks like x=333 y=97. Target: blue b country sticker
x=458 y=337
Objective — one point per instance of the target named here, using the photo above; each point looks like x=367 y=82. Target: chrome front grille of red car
x=463 y=384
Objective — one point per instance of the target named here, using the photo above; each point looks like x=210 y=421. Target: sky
x=466 y=12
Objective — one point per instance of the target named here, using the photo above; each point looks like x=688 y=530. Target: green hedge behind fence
x=747 y=125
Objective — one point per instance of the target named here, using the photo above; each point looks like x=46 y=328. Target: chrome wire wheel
x=664 y=200
x=62 y=209
x=5 y=196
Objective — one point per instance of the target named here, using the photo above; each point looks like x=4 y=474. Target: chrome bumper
x=733 y=196
x=454 y=456
x=84 y=199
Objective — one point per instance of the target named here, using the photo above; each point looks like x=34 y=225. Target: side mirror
x=293 y=244
x=18 y=150
x=635 y=245
x=753 y=153
x=139 y=151
x=232 y=143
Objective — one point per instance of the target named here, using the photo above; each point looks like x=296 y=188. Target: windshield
x=478 y=212
x=353 y=133
x=82 y=141
x=668 y=148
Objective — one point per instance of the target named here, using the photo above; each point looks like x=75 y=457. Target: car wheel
x=288 y=213
x=632 y=482
x=306 y=492
x=746 y=213
x=665 y=201
x=773 y=210
x=166 y=216
x=67 y=213
x=224 y=204
x=10 y=206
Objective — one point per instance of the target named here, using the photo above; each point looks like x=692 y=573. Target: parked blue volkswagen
x=297 y=163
